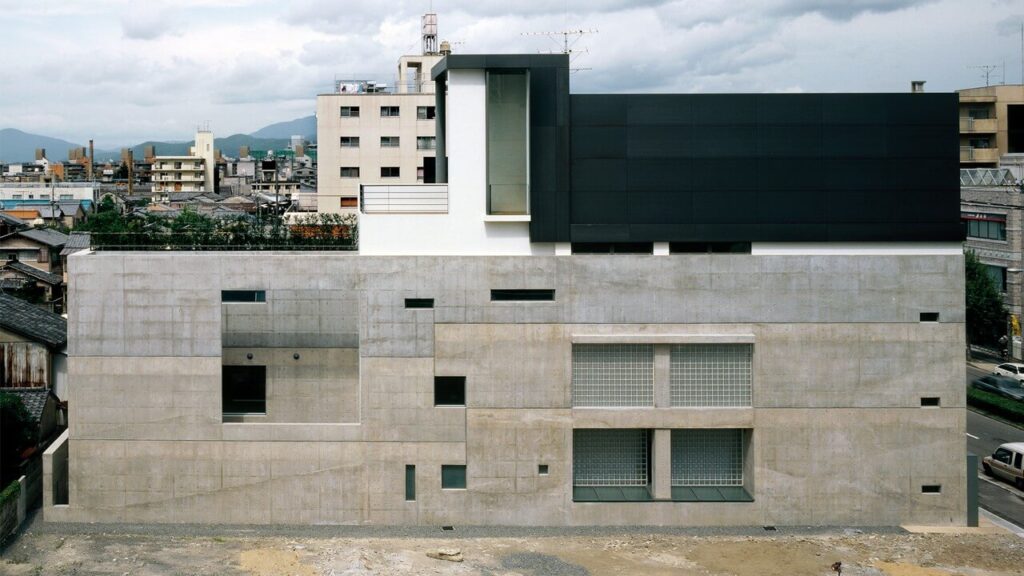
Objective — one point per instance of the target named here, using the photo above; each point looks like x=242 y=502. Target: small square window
x=244 y=390
x=389 y=172
x=449 y=390
x=453 y=477
x=426 y=142
x=542 y=469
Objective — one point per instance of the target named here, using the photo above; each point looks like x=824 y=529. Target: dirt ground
x=874 y=554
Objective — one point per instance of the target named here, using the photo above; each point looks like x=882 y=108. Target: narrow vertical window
x=410 y=483
x=507 y=119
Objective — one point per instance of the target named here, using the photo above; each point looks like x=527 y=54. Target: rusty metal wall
x=24 y=365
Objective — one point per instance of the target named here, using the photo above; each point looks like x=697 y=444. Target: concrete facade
x=836 y=432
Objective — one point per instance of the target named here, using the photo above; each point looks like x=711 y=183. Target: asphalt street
x=984 y=435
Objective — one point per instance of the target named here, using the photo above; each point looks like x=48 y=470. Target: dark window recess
x=524 y=295
x=929 y=316
x=930 y=401
x=389 y=111
x=1015 y=128
x=449 y=390
x=1017 y=461
x=389 y=172
x=350 y=111
x=244 y=389
x=424 y=112
x=410 y=483
x=350 y=172
x=709 y=247
x=419 y=302
x=542 y=469
x=453 y=476
x=243 y=296
x=931 y=489
x=612 y=247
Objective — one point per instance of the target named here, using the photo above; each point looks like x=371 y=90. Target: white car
x=1015 y=371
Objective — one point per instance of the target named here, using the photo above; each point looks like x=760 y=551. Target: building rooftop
x=77 y=241
x=33 y=272
x=46 y=236
x=31 y=321
x=34 y=400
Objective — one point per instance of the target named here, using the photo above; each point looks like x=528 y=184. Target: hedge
x=997 y=405
x=12 y=491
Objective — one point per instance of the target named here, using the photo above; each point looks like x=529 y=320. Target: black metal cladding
x=759 y=167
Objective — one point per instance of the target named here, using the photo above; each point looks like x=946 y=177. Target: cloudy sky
x=123 y=71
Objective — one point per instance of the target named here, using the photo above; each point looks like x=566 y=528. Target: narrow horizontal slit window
x=929 y=401
x=419 y=302
x=929 y=316
x=524 y=295
x=243 y=296
x=931 y=489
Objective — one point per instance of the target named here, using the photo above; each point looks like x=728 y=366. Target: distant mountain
x=18 y=146
x=305 y=127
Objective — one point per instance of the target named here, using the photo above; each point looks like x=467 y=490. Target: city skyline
x=122 y=73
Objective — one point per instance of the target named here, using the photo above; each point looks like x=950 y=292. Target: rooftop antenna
x=987 y=70
x=429 y=26
x=568 y=42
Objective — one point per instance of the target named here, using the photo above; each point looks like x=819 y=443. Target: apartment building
x=373 y=132
x=992 y=127
x=195 y=172
x=604 y=321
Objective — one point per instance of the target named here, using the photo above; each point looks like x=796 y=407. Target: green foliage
x=986 y=313
x=191 y=230
x=11 y=492
x=16 y=433
x=1011 y=410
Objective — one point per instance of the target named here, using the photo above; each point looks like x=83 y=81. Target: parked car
x=1007 y=462
x=1015 y=371
x=1001 y=385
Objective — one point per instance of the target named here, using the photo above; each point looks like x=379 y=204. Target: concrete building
x=193 y=173
x=606 y=324
x=992 y=128
x=370 y=132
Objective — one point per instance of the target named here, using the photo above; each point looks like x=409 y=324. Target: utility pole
x=987 y=70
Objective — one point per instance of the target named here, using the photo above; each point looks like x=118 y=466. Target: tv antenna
x=568 y=42
x=986 y=70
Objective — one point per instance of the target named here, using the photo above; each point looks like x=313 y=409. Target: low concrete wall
x=13 y=505
x=55 y=475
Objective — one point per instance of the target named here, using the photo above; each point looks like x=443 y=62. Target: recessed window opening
x=419 y=303
x=243 y=390
x=350 y=172
x=243 y=296
x=390 y=171
x=425 y=112
x=389 y=141
x=612 y=247
x=410 y=483
x=389 y=111
x=453 y=477
x=931 y=489
x=930 y=401
x=522 y=295
x=542 y=469
x=449 y=390
x=709 y=247
x=929 y=316
x=350 y=141
x=350 y=111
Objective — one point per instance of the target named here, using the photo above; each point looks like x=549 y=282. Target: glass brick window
x=707 y=457
x=711 y=375
x=612 y=375
x=610 y=457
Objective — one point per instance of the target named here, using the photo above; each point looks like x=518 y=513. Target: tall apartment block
x=192 y=173
x=991 y=126
x=634 y=309
x=372 y=132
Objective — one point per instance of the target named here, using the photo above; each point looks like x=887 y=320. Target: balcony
x=980 y=155
x=404 y=198
x=978 y=126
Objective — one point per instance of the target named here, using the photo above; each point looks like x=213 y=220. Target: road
x=984 y=435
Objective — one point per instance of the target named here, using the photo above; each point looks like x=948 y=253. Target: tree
x=986 y=313
x=16 y=434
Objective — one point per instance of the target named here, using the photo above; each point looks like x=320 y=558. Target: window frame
x=390 y=141
x=390 y=111
x=428 y=112
x=353 y=141
x=353 y=172
x=456 y=473
x=353 y=112
x=397 y=171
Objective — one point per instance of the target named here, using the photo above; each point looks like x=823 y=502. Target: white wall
x=41 y=191
x=463 y=230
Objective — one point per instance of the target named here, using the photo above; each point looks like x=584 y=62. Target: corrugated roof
x=31 y=321
x=77 y=241
x=33 y=272
x=46 y=236
x=34 y=400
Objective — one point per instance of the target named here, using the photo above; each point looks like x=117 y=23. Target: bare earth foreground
x=45 y=550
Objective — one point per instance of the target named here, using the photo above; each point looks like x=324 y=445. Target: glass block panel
x=707 y=457
x=612 y=375
x=711 y=375
x=609 y=457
